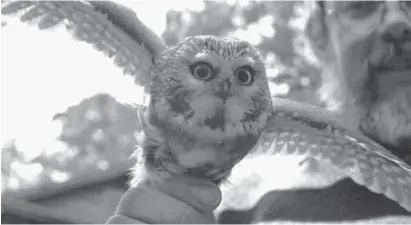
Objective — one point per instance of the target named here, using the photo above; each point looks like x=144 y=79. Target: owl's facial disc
x=224 y=94
x=213 y=88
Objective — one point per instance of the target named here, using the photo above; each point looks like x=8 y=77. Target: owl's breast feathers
x=199 y=145
x=204 y=137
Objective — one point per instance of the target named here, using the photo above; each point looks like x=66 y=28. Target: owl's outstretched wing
x=293 y=129
x=111 y=28
x=300 y=129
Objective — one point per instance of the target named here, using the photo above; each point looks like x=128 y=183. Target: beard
x=387 y=117
x=377 y=102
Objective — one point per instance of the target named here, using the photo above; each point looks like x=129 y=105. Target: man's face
x=371 y=47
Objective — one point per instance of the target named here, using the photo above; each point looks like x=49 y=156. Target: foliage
x=285 y=49
x=99 y=131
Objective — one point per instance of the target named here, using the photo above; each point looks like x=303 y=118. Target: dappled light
x=67 y=109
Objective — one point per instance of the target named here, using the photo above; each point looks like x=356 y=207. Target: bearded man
x=365 y=49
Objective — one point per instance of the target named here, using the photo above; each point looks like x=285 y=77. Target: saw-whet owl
x=210 y=104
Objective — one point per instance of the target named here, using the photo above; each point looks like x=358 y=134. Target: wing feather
x=111 y=28
x=294 y=128
x=299 y=129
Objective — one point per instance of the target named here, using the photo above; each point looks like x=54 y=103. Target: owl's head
x=215 y=87
x=210 y=99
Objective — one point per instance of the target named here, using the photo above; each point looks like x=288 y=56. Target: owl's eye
x=245 y=75
x=202 y=70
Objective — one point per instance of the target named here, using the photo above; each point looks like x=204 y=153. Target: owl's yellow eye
x=245 y=75
x=202 y=71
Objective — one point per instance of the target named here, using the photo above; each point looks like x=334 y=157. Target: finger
x=119 y=219
x=203 y=195
x=147 y=204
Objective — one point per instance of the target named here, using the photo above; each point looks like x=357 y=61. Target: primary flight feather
x=209 y=103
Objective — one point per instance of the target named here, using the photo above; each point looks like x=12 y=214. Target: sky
x=45 y=72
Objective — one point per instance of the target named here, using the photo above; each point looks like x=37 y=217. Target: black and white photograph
x=205 y=112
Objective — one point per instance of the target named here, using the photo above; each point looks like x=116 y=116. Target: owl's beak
x=223 y=95
x=224 y=90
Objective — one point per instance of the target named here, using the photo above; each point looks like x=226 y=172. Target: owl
x=209 y=104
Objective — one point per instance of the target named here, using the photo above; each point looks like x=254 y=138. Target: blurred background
x=66 y=134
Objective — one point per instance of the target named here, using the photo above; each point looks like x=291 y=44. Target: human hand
x=178 y=200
